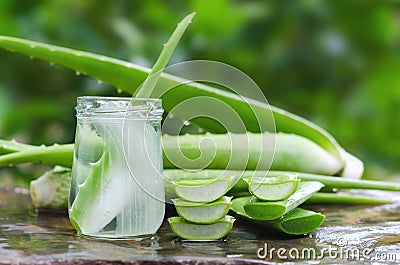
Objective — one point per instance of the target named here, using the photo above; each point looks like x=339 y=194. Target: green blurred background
x=333 y=62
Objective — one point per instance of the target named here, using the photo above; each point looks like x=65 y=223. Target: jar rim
x=119 y=98
x=99 y=105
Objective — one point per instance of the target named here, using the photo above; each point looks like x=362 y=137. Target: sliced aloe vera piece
x=273 y=188
x=197 y=186
x=191 y=231
x=262 y=210
x=296 y=222
x=202 y=190
x=203 y=213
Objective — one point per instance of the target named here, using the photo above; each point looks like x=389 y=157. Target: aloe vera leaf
x=148 y=85
x=292 y=152
x=230 y=151
x=127 y=77
x=274 y=188
x=51 y=189
x=335 y=198
x=81 y=213
x=201 y=232
x=53 y=155
x=113 y=71
x=263 y=210
x=202 y=213
x=12 y=146
x=296 y=222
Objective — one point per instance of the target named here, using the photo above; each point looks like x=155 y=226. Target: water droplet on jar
x=77 y=73
x=186 y=123
x=99 y=82
x=119 y=91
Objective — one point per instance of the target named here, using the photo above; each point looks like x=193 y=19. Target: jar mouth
x=147 y=108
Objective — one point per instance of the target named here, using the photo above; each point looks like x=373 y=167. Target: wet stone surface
x=351 y=234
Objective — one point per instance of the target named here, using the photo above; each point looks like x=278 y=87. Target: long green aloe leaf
x=60 y=155
x=166 y=53
x=127 y=76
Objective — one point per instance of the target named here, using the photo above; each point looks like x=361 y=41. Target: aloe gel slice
x=203 y=213
x=199 y=186
x=201 y=232
x=202 y=190
x=296 y=222
x=262 y=210
x=195 y=186
x=273 y=188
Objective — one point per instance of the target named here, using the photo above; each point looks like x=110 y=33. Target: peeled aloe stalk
x=127 y=77
x=202 y=213
x=230 y=151
x=51 y=189
x=201 y=232
x=296 y=222
x=292 y=153
x=265 y=210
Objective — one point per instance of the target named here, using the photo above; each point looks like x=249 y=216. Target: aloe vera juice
x=117 y=189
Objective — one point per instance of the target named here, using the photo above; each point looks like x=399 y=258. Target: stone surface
x=27 y=236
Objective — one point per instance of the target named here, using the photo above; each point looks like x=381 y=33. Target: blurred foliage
x=333 y=62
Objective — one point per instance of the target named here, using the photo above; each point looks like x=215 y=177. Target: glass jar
x=117 y=188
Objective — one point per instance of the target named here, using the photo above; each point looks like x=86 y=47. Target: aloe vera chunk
x=199 y=186
x=263 y=210
x=203 y=213
x=296 y=222
x=273 y=188
x=51 y=189
x=201 y=232
x=202 y=190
